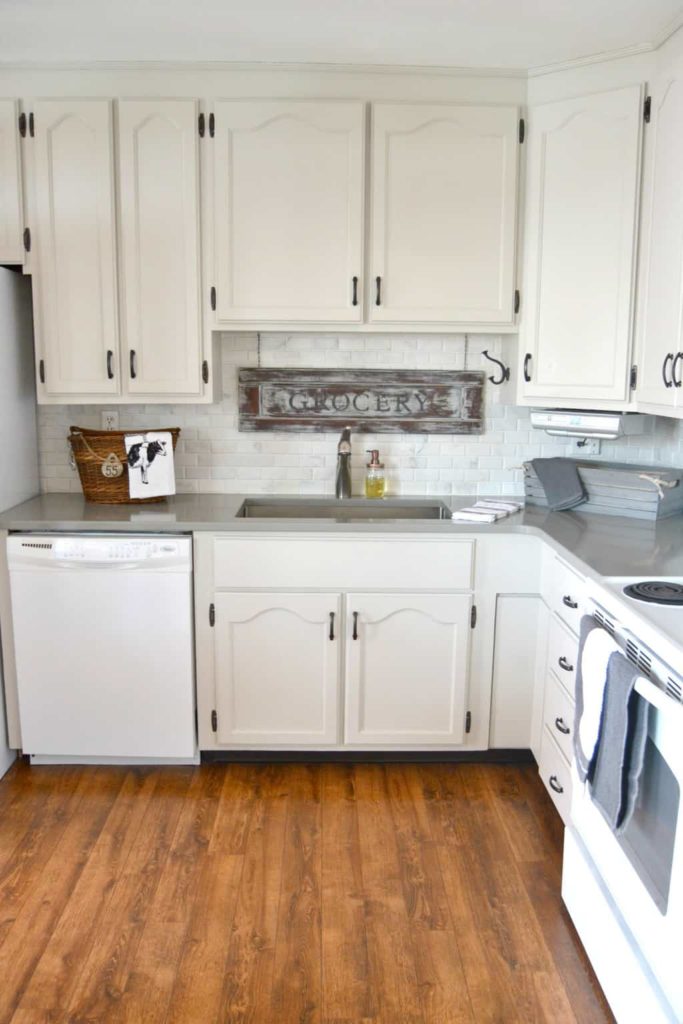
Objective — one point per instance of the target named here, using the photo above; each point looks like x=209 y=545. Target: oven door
x=643 y=868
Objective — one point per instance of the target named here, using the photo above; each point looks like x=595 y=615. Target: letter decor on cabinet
x=288 y=210
x=583 y=176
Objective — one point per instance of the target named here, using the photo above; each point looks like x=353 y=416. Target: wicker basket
x=92 y=449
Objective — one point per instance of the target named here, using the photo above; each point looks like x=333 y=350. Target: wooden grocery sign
x=368 y=401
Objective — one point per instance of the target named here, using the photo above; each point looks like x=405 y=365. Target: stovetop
x=662 y=592
x=656 y=623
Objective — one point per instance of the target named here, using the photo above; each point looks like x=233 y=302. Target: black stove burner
x=656 y=592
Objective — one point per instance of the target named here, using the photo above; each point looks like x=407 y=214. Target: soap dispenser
x=375 y=480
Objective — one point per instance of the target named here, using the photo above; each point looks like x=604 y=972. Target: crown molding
x=603 y=57
x=194 y=67
x=668 y=31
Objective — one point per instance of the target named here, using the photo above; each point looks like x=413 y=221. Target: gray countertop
x=600 y=545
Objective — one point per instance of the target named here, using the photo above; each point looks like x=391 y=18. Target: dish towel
x=151 y=470
x=596 y=647
x=561 y=482
x=621 y=745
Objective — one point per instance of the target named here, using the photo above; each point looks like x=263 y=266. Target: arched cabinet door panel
x=277 y=668
x=288 y=210
x=407 y=660
x=75 y=287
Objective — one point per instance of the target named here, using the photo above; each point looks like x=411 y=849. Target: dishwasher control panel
x=81 y=549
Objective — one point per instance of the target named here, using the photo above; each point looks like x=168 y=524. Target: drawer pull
x=555 y=785
x=563 y=663
x=331 y=625
x=354 y=297
x=569 y=602
x=355 y=626
x=562 y=727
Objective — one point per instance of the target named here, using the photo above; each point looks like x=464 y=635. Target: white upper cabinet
x=660 y=327
x=11 y=212
x=580 y=240
x=407 y=658
x=288 y=210
x=161 y=323
x=444 y=201
x=75 y=276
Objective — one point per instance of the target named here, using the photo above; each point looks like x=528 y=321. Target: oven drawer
x=565 y=593
x=554 y=771
x=563 y=650
x=558 y=715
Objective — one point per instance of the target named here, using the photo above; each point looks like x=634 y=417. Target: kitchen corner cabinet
x=75 y=287
x=293 y=651
x=660 y=329
x=406 y=668
x=443 y=216
x=288 y=183
x=11 y=206
x=583 y=171
x=161 y=322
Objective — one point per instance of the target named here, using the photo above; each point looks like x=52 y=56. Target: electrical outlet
x=589 y=446
x=110 y=420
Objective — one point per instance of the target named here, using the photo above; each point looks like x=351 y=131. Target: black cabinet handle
x=563 y=663
x=562 y=727
x=668 y=365
x=354 y=294
x=133 y=364
x=527 y=360
x=110 y=364
x=567 y=600
x=331 y=625
x=675 y=376
x=41 y=371
x=355 y=626
x=554 y=784
x=378 y=291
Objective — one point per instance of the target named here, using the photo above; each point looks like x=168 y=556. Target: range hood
x=604 y=426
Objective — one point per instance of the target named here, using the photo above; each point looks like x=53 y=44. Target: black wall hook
x=504 y=370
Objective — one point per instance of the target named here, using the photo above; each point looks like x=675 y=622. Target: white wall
x=213 y=456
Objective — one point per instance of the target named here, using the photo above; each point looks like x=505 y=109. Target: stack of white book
x=487 y=511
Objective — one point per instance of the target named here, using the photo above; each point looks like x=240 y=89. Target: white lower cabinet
x=406 y=668
x=277 y=668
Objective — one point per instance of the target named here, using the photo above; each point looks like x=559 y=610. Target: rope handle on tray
x=659 y=483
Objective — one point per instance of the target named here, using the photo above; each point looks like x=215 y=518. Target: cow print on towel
x=142 y=455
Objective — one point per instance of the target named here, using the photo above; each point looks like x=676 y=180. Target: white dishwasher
x=103 y=632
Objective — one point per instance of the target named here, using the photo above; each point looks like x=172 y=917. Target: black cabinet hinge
x=212 y=614
x=633 y=379
x=213 y=298
x=212 y=125
x=468 y=722
x=473 y=616
x=31 y=125
x=27 y=239
x=517 y=300
x=22 y=125
x=201 y=125
x=205 y=371
x=522 y=129
x=41 y=371
x=647 y=109
x=214 y=721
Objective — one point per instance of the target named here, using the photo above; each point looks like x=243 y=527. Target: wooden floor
x=315 y=894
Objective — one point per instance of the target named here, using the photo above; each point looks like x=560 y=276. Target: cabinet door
x=660 y=327
x=444 y=192
x=288 y=208
x=160 y=272
x=11 y=216
x=582 y=208
x=75 y=277
x=277 y=668
x=407 y=661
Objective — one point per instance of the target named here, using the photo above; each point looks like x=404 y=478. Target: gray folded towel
x=621 y=745
x=561 y=482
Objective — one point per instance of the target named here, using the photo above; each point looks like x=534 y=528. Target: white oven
x=639 y=873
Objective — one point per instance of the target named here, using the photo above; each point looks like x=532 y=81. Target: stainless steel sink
x=345 y=510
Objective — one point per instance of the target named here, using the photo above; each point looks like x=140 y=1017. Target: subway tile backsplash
x=214 y=457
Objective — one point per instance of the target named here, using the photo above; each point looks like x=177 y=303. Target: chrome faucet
x=343 y=483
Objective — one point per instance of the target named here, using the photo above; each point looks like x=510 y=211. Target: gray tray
x=620 y=489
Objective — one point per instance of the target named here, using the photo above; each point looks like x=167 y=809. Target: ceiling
x=444 y=33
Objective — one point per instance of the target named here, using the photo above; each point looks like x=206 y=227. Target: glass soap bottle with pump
x=375 y=480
